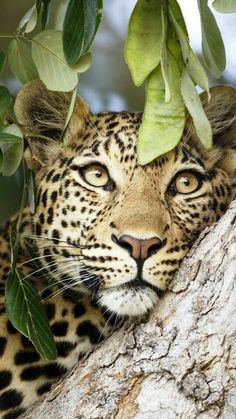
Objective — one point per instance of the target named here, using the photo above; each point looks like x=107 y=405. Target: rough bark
x=179 y=363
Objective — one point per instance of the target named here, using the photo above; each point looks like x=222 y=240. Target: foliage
x=157 y=44
x=158 y=27
x=157 y=51
x=24 y=307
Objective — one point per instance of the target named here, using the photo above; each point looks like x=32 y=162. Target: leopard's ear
x=42 y=114
x=221 y=112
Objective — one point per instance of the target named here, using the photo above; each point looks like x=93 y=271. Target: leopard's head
x=105 y=225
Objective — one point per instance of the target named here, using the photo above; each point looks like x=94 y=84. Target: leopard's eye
x=95 y=175
x=186 y=182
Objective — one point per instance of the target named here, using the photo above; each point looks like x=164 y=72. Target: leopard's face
x=118 y=230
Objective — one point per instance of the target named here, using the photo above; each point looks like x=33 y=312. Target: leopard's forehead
x=111 y=133
x=113 y=137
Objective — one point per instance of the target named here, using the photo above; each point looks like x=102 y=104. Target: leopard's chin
x=126 y=301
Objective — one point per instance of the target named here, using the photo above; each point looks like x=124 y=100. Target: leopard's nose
x=139 y=249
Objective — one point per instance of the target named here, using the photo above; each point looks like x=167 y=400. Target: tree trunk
x=179 y=363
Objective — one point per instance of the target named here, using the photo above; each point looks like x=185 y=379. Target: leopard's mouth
x=132 y=299
x=139 y=283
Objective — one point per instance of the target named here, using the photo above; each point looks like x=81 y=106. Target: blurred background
x=107 y=85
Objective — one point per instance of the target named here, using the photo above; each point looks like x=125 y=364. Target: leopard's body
x=105 y=227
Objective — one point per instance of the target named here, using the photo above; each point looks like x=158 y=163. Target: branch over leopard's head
x=112 y=228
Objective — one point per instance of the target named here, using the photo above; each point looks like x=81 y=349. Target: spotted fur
x=80 y=234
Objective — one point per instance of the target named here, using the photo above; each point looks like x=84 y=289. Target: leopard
x=107 y=233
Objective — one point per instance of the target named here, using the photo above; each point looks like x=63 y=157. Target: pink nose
x=140 y=249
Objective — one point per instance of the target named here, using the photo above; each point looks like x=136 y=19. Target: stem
x=6 y=36
x=15 y=36
x=23 y=199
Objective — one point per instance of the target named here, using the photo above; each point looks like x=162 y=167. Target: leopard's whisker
x=70 y=263
x=51 y=272
x=71 y=284
x=41 y=237
x=63 y=261
x=106 y=323
x=55 y=279
x=56 y=292
x=50 y=246
x=38 y=258
x=33 y=272
x=94 y=128
x=48 y=265
x=33 y=259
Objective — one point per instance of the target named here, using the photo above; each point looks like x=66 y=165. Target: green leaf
x=13 y=245
x=212 y=44
x=224 y=6
x=57 y=14
x=5 y=100
x=144 y=40
x=33 y=20
x=81 y=23
x=176 y=11
x=20 y=61
x=29 y=21
x=2 y=60
x=11 y=145
x=194 y=106
x=27 y=314
x=29 y=244
x=26 y=18
x=164 y=61
x=83 y=63
x=173 y=47
x=1 y=160
x=191 y=61
x=47 y=53
x=163 y=122
x=45 y=11
x=10 y=139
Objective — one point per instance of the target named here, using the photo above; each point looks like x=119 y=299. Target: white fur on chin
x=128 y=302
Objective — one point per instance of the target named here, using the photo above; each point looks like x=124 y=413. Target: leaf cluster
x=158 y=51
x=56 y=57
